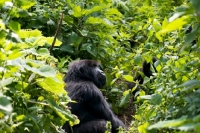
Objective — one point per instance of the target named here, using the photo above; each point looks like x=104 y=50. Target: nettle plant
x=32 y=95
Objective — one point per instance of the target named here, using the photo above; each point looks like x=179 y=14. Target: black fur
x=83 y=80
x=146 y=70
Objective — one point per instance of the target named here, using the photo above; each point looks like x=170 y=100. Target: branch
x=56 y=34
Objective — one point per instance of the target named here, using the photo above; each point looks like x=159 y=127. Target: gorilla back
x=83 y=80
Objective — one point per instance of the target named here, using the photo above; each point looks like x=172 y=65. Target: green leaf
x=137 y=59
x=63 y=113
x=50 y=40
x=94 y=9
x=191 y=84
x=7 y=6
x=124 y=100
x=196 y=4
x=5 y=103
x=128 y=78
x=192 y=35
x=47 y=71
x=175 y=25
x=43 y=51
x=15 y=54
x=154 y=99
x=52 y=84
x=15 y=26
x=90 y=48
x=28 y=33
x=25 y=4
x=5 y=82
x=168 y=124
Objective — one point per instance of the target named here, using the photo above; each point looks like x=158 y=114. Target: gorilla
x=146 y=70
x=83 y=80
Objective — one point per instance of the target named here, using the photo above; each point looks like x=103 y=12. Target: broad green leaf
x=175 y=16
x=156 y=25
x=196 y=4
x=142 y=128
x=98 y=21
x=128 y=78
x=47 y=71
x=192 y=35
x=14 y=37
x=25 y=4
x=154 y=99
x=137 y=59
x=2 y=25
x=15 y=54
x=175 y=25
x=50 y=40
x=5 y=103
x=164 y=23
x=167 y=124
x=43 y=51
x=15 y=26
x=191 y=84
x=7 y=6
x=77 y=12
x=63 y=113
x=52 y=84
x=90 y=48
x=28 y=33
x=113 y=11
x=68 y=19
x=189 y=126
x=5 y=82
x=94 y=9
x=124 y=100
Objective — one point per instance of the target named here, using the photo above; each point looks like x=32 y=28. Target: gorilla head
x=86 y=70
x=83 y=80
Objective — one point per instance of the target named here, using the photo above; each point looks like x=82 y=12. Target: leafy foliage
x=121 y=35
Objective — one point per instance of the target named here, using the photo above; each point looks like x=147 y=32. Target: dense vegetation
x=120 y=34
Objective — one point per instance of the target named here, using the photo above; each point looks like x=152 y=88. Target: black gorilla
x=146 y=69
x=83 y=80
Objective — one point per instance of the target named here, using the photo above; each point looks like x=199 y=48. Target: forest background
x=120 y=34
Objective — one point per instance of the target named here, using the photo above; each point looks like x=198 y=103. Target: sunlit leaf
x=175 y=25
x=128 y=78
x=52 y=84
x=169 y=123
